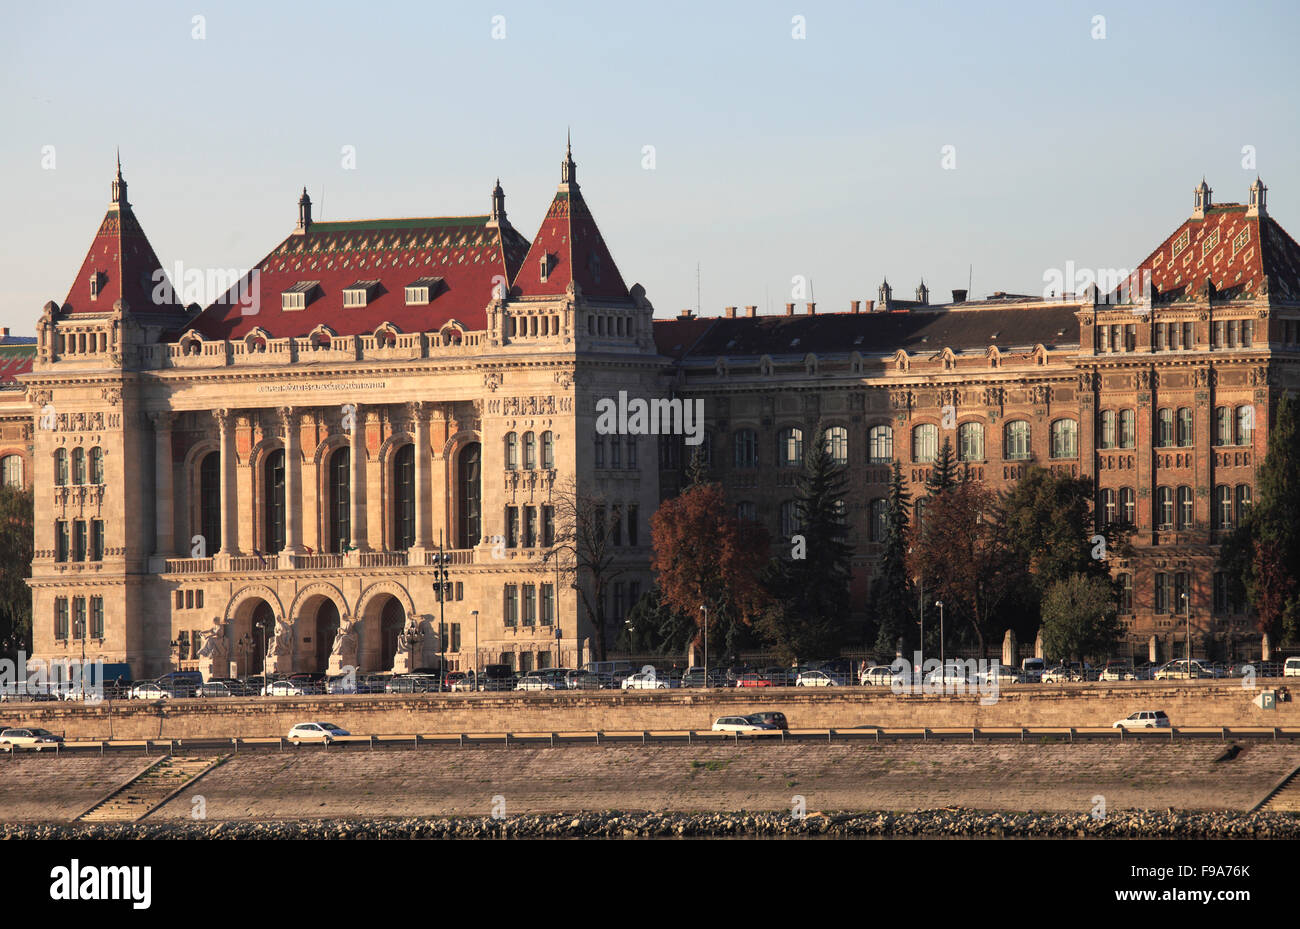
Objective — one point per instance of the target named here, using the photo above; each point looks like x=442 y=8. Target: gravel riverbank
x=945 y=823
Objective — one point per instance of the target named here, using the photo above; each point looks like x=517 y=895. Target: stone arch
x=190 y=474
x=240 y=611
x=313 y=645
x=369 y=617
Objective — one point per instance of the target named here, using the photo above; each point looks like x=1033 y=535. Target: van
x=181 y=683
x=1033 y=668
x=1291 y=668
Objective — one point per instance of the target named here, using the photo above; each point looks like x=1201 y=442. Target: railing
x=406 y=345
x=188 y=566
x=320 y=561
x=315 y=562
x=382 y=559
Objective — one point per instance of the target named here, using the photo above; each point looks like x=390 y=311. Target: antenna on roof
x=697 y=288
x=970 y=276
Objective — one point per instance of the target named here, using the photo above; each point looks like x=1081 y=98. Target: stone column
x=357 y=450
x=229 y=518
x=423 y=466
x=164 y=528
x=1009 y=649
x=292 y=480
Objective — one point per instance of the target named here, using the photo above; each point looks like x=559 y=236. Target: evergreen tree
x=811 y=587
x=16 y=538
x=945 y=473
x=892 y=600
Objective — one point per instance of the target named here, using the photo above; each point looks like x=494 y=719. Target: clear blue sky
x=774 y=157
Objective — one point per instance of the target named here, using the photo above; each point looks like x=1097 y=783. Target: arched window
x=1016 y=441
x=789 y=448
x=837 y=444
x=1065 y=439
x=1128 y=506
x=970 y=442
x=1185 y=436
x=1127 y=429
x=1243 y=502
x=1106 y=509
x=96 y=465
x=789 y=519
x=879 y=520
x=746 y=448
x=530 y=451
x=78 y=466
x=512 y=451
x=1185 y=512
x=273 y=500
x=60 y=467
x=925 y=443
x=404 y=497
x=880 y=445
x=548 y=450
x=210 y=502
x=1222 y=426
x=470 y=495
x=1245 y=425
x=1223 y=507
x=1165 y=508
x=11 y=470
x=1107 y=429
x=1165 y=428
x=339 y=469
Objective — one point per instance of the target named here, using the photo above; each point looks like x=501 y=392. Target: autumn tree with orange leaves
x=705 y=556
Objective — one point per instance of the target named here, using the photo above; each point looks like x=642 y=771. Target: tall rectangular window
x=530 y=527
x=530 y=605
x=510 y=608
x=455 y=637
x=96 y=617
x=633 y=529
x=1161 y=592
x=96 y=540
x=548 y=604
x=61 y=539
x=79 y=540
x=548 y=526
x=61 y=618
x=79 y=617
x=512 y=527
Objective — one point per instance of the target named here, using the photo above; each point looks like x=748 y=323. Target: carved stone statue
x=282 y=644
x=345 y=642
x=214 y=645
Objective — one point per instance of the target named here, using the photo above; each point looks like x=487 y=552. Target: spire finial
x=568 y=170
x=119 y=185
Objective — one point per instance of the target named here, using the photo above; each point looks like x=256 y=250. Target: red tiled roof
x=576 y=252
x=470 y=257
x=16 y=358
x=127 y=270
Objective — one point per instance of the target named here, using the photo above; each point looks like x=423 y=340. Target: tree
x=944 y=474
x=16 y=539
x=891 y=593
x=705 y=556
x=811 y=587
x=963 y=553
x=1261 y=557
x=1079 y=618
x=585 y=553
x=655 y=628
x=1049 y=524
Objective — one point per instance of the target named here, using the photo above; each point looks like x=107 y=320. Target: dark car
x=770 y=718
x=694 y=677
x=412 y=684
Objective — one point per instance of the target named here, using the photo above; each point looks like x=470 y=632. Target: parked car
x=1061 y=674
x=582 y=680
x=780 y=677
x=769 y=718
x=645 y=680
x=753 y=679
x=1145 y=719
x=150 y=690
x=740 y=724
x=1032 y=669
x=209 y=689
x=1145 y=671
x=316 y=732
x=181 y=683
x=29 y=738
x=1000 y=674
x=412 y=684
x=815 y=679
x=1291 y=667
x=1117 y=671
x=285 y=688
x=533 y=681
x=881 y=675
x=1182 y=669
x=694 y=677
x=469 y=682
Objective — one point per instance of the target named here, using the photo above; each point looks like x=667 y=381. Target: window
x=469 y=494
x=548 y=605
x=1107 y=429
x=970 y=442
x=11 y=470
x=789 y=519
x=620 y=603
x=1185 y=511
x=630 y=460
x=1127 y=429
x=1247 y=333
x=404 y=497
x=1165 y=428
x=512 y=451
x=1222 y=426
x=530 y=527
x=1016 y=442
x=1189 y=337
x=273 y=501
x=615 y=455
x=925 y=443
x=339 y=532
x=1106 y=509
x=96 y=465
x=96 y=617
x=1165 y=508
x=1223 y=507
x=600 y=451
x=633 y=524
x=1065 y=439
x=61 y=540
x=789 y=448
x=511 y=605
x=512 y=527
x=746 y=509
x=837 y=444
x=530 y=605
x=1130 y=338
x=60 y=617
x=60 y=467
x=879 y=526
x=1103 y=339
x=548 y=526
x=548 y=450
x=1125 y=593
x=1220 y=592
x=79 y=540
x=1243 y=502
x=880 y=445
x=1185 y=431
x=78 y=466
x=530 y=451
x=1162 y=592
x=96 y=540
x=1218 y=334
x=1245 y=425
x=1181 y=602
x=359 y=293
x=1128 y=506
x=746 y=448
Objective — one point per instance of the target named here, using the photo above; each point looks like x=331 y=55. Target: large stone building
x=369 y=435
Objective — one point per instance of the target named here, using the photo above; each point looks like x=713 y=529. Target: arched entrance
x=254 y=621
x=391 y=623
x=327 y=626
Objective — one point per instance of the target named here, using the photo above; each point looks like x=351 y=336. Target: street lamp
x=627 y=624
x=705 y=610
x=474 y=613
x=939 y=604
x=442 y=588
x=1187 y=615
x=80 y=625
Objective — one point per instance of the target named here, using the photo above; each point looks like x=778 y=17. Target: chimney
x=685 y=314
x=789 y=309
x=959 y=296
x=751 y=311
x=729 y=312
x=812 y=309
x=857 y=306
x=4 y=333
x=871 y=306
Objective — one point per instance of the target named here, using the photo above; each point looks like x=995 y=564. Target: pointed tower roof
x=121 y=265
x=571 y=246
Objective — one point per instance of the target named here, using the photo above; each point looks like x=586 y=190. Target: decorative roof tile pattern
x=469 y=257
x=16 y=356
x=574 y=250
x=125 y=268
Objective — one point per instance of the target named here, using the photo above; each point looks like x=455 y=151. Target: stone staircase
x=149 y=789
x=1284 y=798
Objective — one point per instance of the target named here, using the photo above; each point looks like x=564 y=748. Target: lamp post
x=81 y=634
x=264 y=643
x=442 y=587
x=244 y=642
x=475 y=615
x=939 y=604
x=705 y=611
x=1187 y=615
x=627 y=624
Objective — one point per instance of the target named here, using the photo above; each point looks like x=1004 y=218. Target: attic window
x=94 y=284
x=421 y=291
x=545 y=267
x=299 y=295
x=593 y=265
x=359 y=294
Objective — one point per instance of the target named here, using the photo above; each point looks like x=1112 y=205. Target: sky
x=788 y=151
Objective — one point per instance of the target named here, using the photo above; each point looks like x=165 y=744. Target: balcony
x=285 y=561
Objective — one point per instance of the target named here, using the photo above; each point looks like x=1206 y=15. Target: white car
x=1117 y=672
x=1291 y=668
x=150 y=690
x=644 y=680
x=738 y=724
x=1061 y=674
x=34 y=739
x=284 y=689
x=534 y=682
x=1000 y=674
x=882 y=675
x=1182 y=669
x=814 y=679
x=1146 y=719
x=316 y=732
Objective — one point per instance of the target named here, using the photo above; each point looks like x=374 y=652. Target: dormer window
x=421 y=291
x=299 y=295
x=94 y=284
x=359 y=294
x=593 y=265
x=545 y=269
